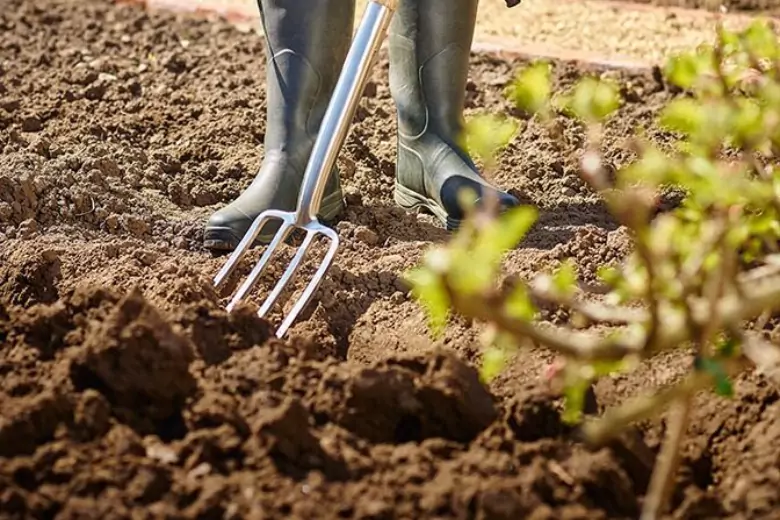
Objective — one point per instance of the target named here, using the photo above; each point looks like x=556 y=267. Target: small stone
x=28 y=228
x=397 y=297
x=135 y=225
x=353 y=197
x=370 y=89
x=6 y=211
x=569 y=192
x=112 y=222
x=10 y=105
x=32 y=124
x=41 y=146
x=161 y=453
x=146 y=258
x=365 y=235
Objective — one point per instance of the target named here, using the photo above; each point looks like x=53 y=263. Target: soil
x=765 y=7
x=127 y=390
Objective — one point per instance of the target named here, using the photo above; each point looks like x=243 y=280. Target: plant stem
x=662 y=481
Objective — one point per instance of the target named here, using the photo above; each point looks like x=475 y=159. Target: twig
x=764 y=355
x=602 y=430
x=592 y=311
x=757 y=297
x=662 y=481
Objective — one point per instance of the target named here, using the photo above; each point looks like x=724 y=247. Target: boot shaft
x=306 y=44
x=430 y=44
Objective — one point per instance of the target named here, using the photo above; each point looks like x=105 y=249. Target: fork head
x=289 y=222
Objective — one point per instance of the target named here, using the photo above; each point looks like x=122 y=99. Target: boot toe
x=507 y=201
x=225 y=229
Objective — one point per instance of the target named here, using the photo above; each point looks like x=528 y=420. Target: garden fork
x=330 y=139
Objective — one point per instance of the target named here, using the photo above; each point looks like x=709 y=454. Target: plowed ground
x=126 y=390
x=758 y=7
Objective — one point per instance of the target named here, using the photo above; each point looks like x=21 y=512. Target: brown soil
x=127 y=391
x=766 y=7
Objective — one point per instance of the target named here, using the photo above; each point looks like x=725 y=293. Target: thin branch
x=602 y=430
x=590 y=310
x=662 y=480
x=764 y=355
x=757 y=297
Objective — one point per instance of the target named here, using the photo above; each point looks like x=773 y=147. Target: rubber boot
x=429 y=45
x=306 y=44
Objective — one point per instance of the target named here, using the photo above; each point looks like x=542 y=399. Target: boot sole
x=225 y=238
x=413 y=201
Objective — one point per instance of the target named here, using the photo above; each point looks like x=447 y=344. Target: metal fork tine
x=287 y=276
x=251 y=280
x=246 y=242
x=314 y=284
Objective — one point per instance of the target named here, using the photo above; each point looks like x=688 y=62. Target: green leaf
x=574 y=401
x=505 y=232
x=682 y=70
x=608 y=274
x=486 y=135
x=684 y=115
x=531 y=88
x=493 y=362
x=728 y=347
x=723 y=386
x=686 y=70
x=593 y=100
x=428 y=288
x=476 y=268
x=565 y=278
x=519 y=305
x=760 y=40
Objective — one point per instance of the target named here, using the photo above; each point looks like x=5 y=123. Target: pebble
x=32 y=124
x=28 y=228
x=365 y=235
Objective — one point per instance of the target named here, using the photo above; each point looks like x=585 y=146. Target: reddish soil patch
x=126 y=390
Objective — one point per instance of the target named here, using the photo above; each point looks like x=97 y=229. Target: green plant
x=696 y=275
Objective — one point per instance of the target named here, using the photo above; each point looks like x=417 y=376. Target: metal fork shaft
x=341 y=109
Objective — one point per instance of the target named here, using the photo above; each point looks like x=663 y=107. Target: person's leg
x=430 y=42
x=307 y=42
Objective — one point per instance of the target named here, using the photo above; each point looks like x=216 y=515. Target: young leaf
x=713 y=367
x=486 y=135
x=685 y=115
x=594 y=100
x=493 y=361
x=574 y=401
x=531 y=89
x=565 y=278
x=428 y=288
x=519 y=305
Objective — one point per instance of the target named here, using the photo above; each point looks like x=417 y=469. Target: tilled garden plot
x=126 y=390
x=758 y=7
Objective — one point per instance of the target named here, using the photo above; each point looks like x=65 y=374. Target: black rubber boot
x=306 y=44
x=429 y=43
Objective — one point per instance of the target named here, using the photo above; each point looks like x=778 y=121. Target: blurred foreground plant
x=696 y=275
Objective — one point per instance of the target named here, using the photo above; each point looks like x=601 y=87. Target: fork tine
x=260 y=266
x=303 y=300
x=295 y=263
x=242 y=247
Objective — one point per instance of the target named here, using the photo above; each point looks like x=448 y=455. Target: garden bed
x=126 y=390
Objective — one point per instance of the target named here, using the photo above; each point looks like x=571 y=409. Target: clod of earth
x=127 y=390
